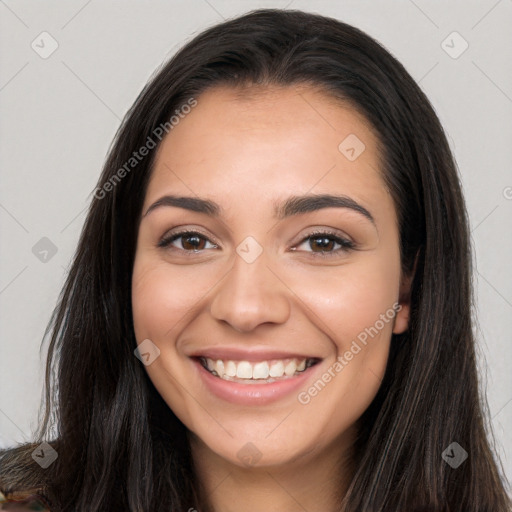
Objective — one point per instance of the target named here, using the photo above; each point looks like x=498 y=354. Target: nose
x=249 y=295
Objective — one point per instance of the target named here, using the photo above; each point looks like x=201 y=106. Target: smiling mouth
x=249 y=372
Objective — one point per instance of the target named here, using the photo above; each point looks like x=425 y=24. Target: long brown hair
x=120 y=447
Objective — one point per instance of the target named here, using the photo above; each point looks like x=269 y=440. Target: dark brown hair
x=119 y=445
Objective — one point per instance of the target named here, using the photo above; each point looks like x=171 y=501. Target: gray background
x=60 y=113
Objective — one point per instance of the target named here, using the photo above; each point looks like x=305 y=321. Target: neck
x=313 y=483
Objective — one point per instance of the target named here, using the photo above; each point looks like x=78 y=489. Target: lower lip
x=252 y=394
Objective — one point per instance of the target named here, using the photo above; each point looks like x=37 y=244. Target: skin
x=245 y=153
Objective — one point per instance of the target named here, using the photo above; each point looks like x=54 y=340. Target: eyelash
x=346 y=245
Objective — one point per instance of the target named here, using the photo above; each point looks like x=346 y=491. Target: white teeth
x=244 y=370
x=219 y=367
x=262 y=370
x=290 y=368
x=277 y=369
x=230 y=369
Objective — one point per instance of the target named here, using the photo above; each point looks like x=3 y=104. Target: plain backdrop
x=60 y=110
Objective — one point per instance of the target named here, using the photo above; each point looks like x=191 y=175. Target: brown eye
x=191 y=241
x=324 y=244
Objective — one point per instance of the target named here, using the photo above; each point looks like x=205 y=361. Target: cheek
x=354 y=308
x=155 y=302
x=350 y=298
x=160 y=298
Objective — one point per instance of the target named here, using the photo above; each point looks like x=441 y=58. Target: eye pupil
x=197 y=240
x=326 y=243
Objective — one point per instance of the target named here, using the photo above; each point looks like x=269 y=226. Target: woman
x=269 y=307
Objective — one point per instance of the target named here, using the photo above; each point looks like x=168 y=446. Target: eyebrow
x=294 y=205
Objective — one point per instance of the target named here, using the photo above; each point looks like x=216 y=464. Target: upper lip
x=240 y=354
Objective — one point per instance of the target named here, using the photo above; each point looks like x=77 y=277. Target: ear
x=403 y=314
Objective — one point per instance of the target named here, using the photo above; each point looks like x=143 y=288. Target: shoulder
x=21 y=480
x=24 y=500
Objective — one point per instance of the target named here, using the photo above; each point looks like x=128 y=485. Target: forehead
x=267 y=142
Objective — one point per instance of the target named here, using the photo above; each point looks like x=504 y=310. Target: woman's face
x=289 y=300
